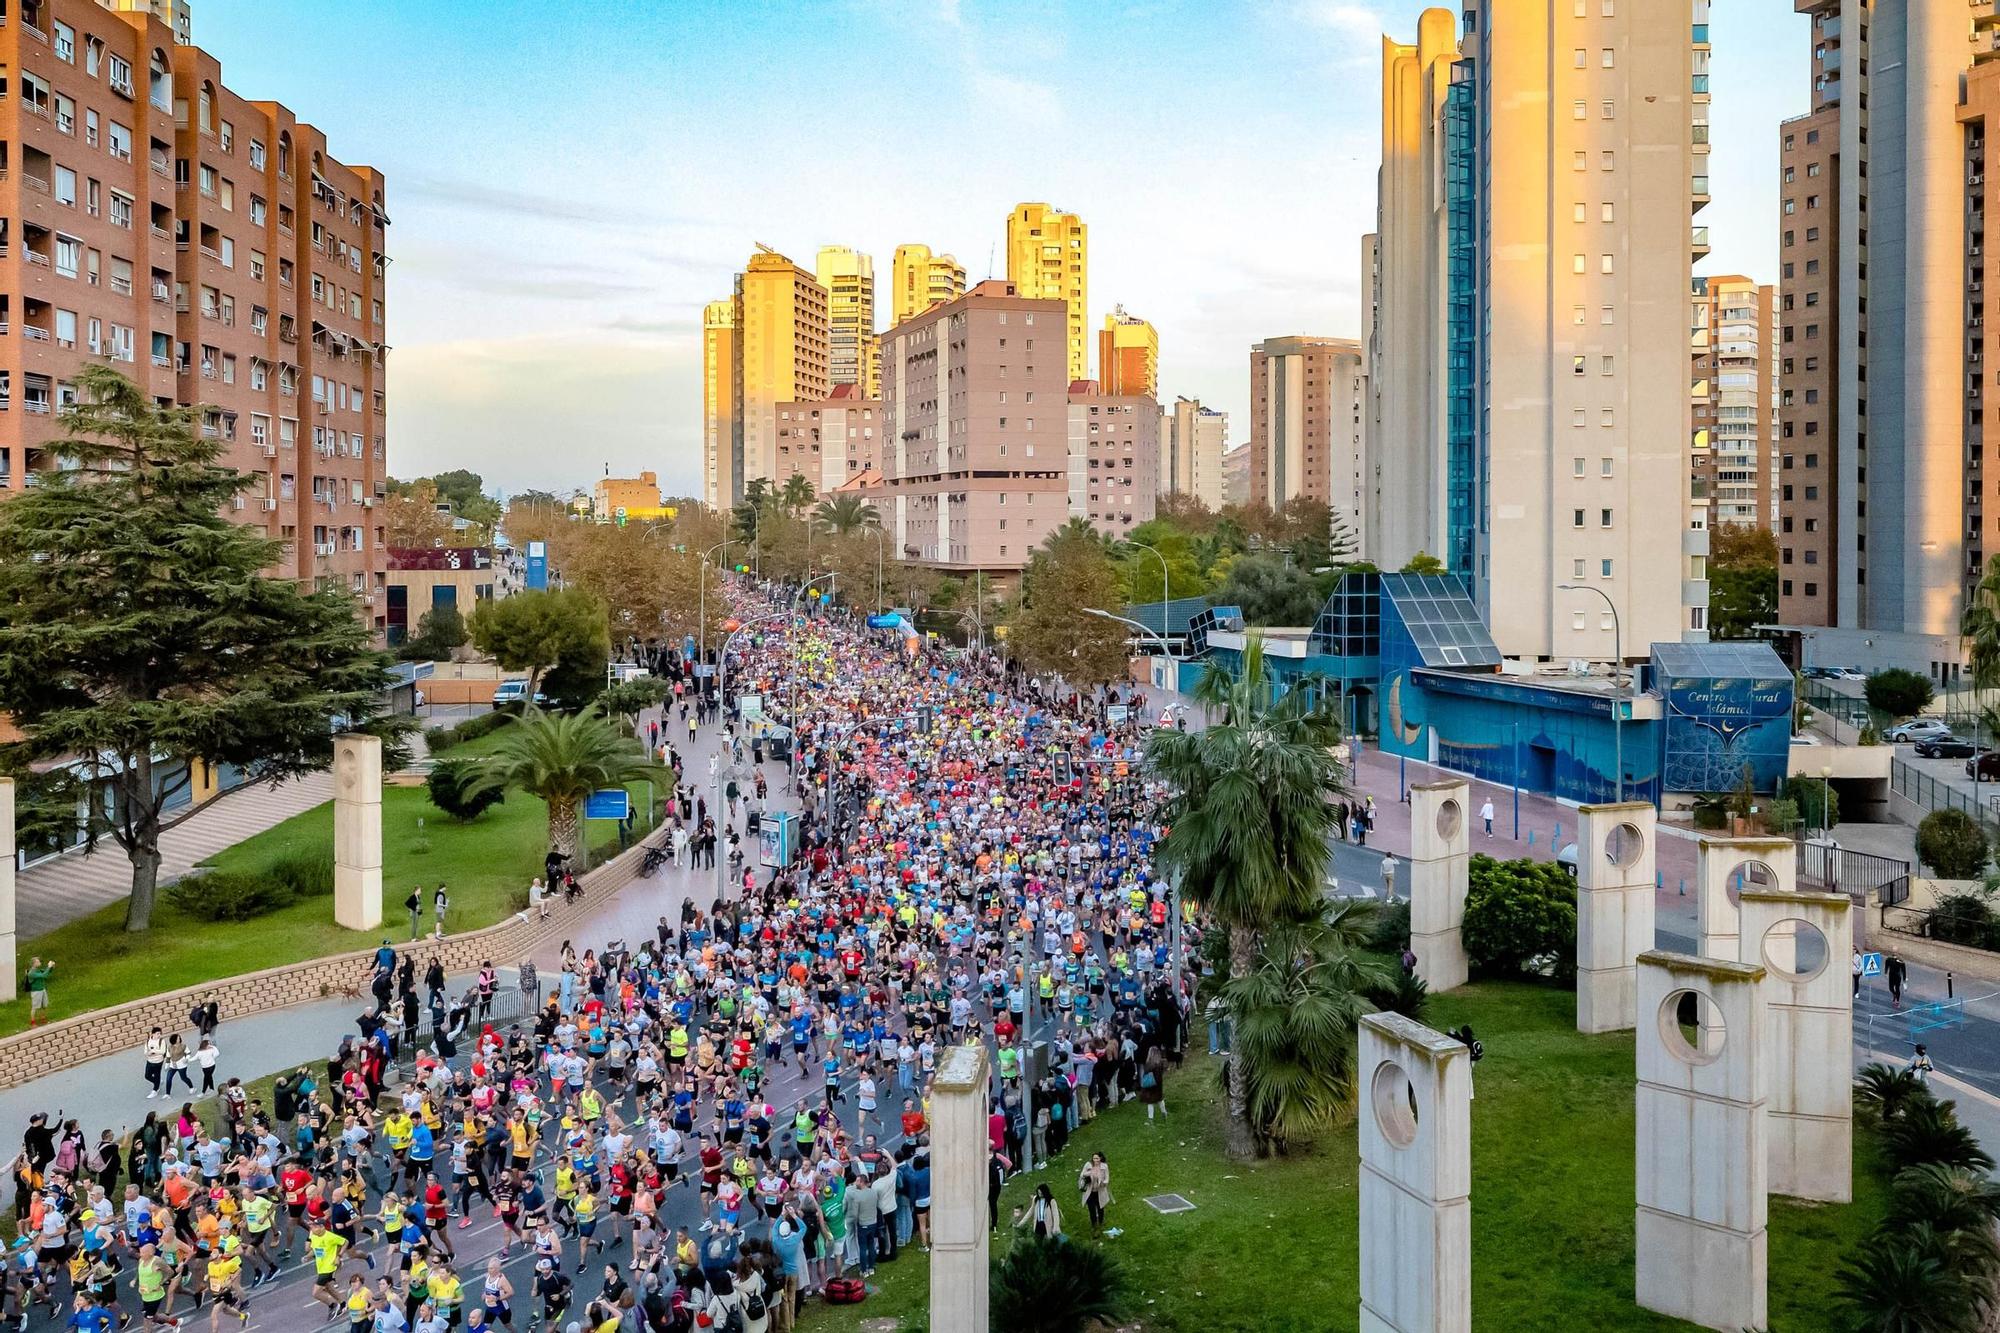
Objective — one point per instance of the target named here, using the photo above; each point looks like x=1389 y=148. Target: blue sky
x=566 y=196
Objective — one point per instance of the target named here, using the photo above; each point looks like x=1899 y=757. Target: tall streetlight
x=879 y=534
x=722 y=684
x=1142 y=546
x=702 y=627
x=1617 y=679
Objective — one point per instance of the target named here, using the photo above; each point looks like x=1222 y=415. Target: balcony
x=162 y=234
x=161 y=168
x=35 y=183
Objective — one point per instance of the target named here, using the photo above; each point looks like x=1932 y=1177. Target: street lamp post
x=716 y=765
x=1142 y=546
x=701 y=626
x=1617 y=679
x=878 y=570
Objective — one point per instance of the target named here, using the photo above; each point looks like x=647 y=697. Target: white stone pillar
x=1614 y=910
x=357 y=831
x=9 y=969
x=1440 y=861
x=1701 y=1153
x=1416 y=1179
x=1718 y=864
x=1809 y=1026
x=958 y=1190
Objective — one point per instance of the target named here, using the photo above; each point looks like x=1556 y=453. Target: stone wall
x=73 y=1041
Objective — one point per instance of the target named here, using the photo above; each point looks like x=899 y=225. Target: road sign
x=750 y=707
x=608 y=803
x=1871 y=964
x=888 y=621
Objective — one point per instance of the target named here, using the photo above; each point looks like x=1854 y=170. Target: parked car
x=1987 y=763
x=1849 y=673
x=1817 y=673
x=1917 y=728
x=513 y=692
x=1944 y=747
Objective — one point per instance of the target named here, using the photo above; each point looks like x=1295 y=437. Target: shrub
x=1899 y=692
x=1711 y=811
x=1389 y=928
x=304 y=874
x=1869 y=734
x=1520 y=916
x=1781 y=815
x=485 y=724
x=1964 y=918
x=1952 y=845
x=1403 y=993
x=1053 y=1286
x=1818 y=803
x=452 y=791
x=226 y=895
x=1883 y=1091
x=439 y=739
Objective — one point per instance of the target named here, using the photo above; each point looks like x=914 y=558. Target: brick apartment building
x=206 y=246
x=975 y=424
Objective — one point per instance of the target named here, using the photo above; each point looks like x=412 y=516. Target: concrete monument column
x=1701 y=1152
x=357 y=831
x=959 y=1148
x=1809 y=1028
x=1416 y=1178
x=1614 y=910
x=9 y=969
x=1721 y=868
x=1440 y=864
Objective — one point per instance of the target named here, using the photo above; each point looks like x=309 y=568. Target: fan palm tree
x=1249 y=817
x=1884 y=1090
x=845 y=514
x=796 y=493
x=1950 y=1198
x=1294 y=1015
x=562 y=758
x=1052 y=1285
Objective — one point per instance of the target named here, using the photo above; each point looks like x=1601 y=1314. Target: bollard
x=1555 y=839
x=1684 y=888
x=1948 y=991
x=1531 y=837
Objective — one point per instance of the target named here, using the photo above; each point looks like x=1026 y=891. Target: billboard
x=441 y=557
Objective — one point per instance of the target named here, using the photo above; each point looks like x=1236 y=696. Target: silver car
x=1918 y=728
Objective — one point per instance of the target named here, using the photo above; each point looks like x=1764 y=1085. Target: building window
x=1576 y=466
x=1576 y=620
x=1604 y=569
x=1576 y=519
x=1604 y=518
x=1608 y=58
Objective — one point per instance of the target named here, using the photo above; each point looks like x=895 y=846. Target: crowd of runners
x=712 y=1126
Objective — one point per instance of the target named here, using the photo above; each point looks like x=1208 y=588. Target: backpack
x=731 y=1321
x=846 y=1291
x=754 y=1306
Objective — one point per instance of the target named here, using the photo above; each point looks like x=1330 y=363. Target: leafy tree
x=538 y=630
x=1423 y=562
x=1952 y=844
x=440 y=630
x=649 y=589
x=1520 y=916
x=411 y=521
x=1051 y=632
x=137 y=626
x=1269 y=592
x=537 y=516
x=1249 y=818
x=453 y=790
x=1053 y=1285
x=1295 y=1014
x=1899 y=692
x=463 y=490
x=629 y=698
x=562 y=758
x=842 y=514
x=1742 y=579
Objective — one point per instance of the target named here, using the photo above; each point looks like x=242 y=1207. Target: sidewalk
x=57 y=892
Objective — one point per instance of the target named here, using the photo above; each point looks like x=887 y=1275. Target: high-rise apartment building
x=921 y=279
x=1307 y=398
x=1048 y=258
x=1885 y=518
x=1114 y=457
x=831 y=441
x=721 y=431
x=1420 y=484
x=1128 y=355
x=1734 y=461
x=781 y=356
x=1567 y=145
x=1236 y=475
x=854 y=352
x=211 y=249
x=975 y=426
x=1193 y=440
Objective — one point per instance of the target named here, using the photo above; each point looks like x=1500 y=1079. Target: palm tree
x=844 y=514
x=1249 y=818
x=1075 y=530
x=562 y=758
x=796 y=493
x=1884 y=1090
x=1979 y=627
x=1929 y=1132
x=1295 y=1015
x=1053 y=1285
x=1905 y=1282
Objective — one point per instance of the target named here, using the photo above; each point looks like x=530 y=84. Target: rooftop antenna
x=990 y=246
x=764 y=248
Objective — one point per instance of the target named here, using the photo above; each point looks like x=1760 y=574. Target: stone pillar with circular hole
x=1614 y=910
x=959 y=1148
x=357 y=831
x=1416 y=1178
x=1804 y=942
x=1702 y=1156
x=1440 y=864
x=1724 y=867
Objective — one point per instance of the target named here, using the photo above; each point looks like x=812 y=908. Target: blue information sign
x=1871 y=964
x=538 y=564
x=607 y=803
x=889 y=621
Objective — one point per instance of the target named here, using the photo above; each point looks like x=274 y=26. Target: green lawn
x=1272 y=1246
x=487 y=864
